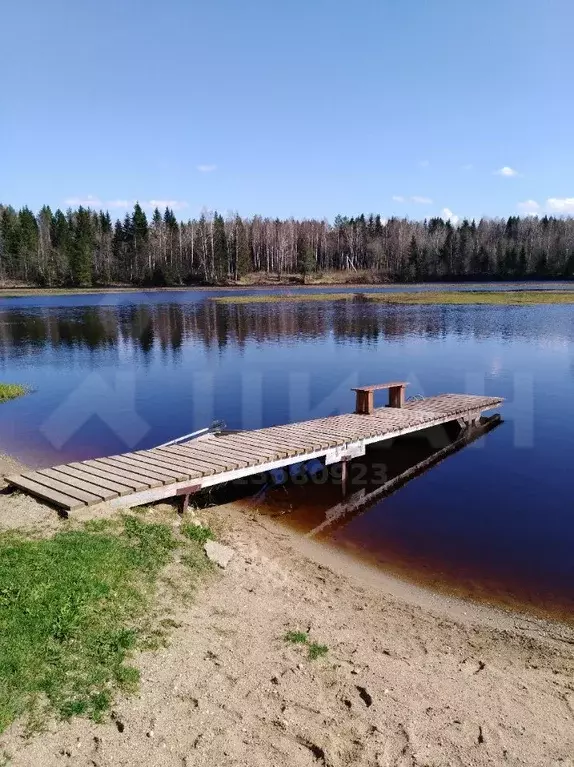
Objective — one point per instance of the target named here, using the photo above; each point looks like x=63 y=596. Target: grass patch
x=285 y=298
x=314 y=650
x=317 y=650
x=506 y=297
x=297 y=637
x=73 y=610
x=502 y=297
x=11 y=391
x=197 y=533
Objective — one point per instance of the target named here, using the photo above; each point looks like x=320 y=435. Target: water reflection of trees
x=169 y=326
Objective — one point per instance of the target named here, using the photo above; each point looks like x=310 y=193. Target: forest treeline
x=84 y=247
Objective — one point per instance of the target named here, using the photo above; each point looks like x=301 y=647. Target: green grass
x=507 y=297
x=317 y=650
x=11 y=391
x=284 y=297
x=74 y=608
x=197 y=533
x=314 y=650
x=297 y=637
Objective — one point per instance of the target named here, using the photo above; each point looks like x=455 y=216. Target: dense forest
x=84 y=247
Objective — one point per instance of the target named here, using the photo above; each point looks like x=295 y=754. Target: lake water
x=128 y=371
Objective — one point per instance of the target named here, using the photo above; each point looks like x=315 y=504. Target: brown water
x=362 y=523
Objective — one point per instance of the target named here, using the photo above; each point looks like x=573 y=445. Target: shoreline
x=400 y=580
x=28 y=291
x=407 y=679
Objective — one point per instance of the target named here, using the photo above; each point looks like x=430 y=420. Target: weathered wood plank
x=226 y=451
x=266 y=445
x=219 y=459
x=61 y=500
x=147 y=465
x=323 y=436
x=241 y=453
x=181 y=461
x=134 y=481
x=331 y=437
x=281 y=438
x=260 y=437
x=79 y=484
x=206 y=465
x=194 y=455
x=302 y=443
x=138 y=471
x=72 y=492
x=157 y=462
x=102 y=481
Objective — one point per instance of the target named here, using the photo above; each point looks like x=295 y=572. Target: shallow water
x=120 y=372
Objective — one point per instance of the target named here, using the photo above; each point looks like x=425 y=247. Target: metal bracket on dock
x=344 y=453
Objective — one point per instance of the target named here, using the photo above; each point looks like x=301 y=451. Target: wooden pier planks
x=217 y=459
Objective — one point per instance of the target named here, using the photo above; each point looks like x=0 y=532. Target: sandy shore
x=410 y=678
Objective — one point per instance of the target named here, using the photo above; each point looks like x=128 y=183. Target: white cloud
x=424 y=163
x=553 y=205
x=206 y=168
x=86 y=202
x=529 y=207
x=173 y=204
x=120 y=203
x=398 y=198
x=560 y=204
x=506 y=171
x=468 y=166
x=447 y=214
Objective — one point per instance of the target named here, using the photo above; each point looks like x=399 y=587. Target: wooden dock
x=133 y=479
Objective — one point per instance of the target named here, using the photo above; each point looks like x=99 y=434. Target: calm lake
x=118 y=372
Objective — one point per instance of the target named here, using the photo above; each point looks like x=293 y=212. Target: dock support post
x=184 y=504
x=184 y=494
x=344 y=476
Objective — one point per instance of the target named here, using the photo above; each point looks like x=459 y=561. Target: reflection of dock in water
x=364 y=498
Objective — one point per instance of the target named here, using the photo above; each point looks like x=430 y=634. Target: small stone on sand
x=218 y=553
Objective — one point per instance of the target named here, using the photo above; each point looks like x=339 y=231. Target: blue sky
x=305 y=108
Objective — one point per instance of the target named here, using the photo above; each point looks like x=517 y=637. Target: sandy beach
x=410 y=678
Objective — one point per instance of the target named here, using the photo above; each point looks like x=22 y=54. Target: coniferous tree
x=414 y=267
x=306 y=260
x=242 y=254
x=172 y=238
x=82 y=249
x=139 y=227
x=118 y=248
x=220 y=259
x=46 y=270
x=10 y=237
x=28 y=245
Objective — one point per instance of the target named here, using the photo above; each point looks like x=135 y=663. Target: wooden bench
x=365 y=404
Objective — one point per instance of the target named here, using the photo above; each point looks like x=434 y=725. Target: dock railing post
x=397 y=396
x=364 y=402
